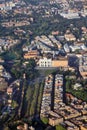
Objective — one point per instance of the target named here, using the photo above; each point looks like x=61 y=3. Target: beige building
x=83 y=128
x=9 y=91
x=60 y=63
x=84 y=74
x=1 y=68
x=71 y=126
x=70 y=37
x=83 y=65
x=31 y=54
x=54 y=118
x=53 y=63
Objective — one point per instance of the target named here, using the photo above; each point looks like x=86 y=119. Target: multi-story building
x=83 y=65
x=45 y=62
x=54 y=118
x=46 y=100
x=31 y=54
x=58 y=92
x=70 y=37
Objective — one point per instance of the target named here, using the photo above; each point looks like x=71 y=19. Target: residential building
x=66 y=48
x=54 y=118
x=46 y=100
x=71 y=126
x=70 y=15
x=31 y=54
x=9 y=91
x=70 y=37
x=83 y=65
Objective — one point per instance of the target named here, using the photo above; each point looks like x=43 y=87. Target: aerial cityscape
x=43 y=65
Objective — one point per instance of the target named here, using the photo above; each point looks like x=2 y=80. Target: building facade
x=45 y=62
x=83 y=65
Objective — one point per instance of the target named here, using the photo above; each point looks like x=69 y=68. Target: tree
x=59 y=127
x=44 y=120
x=6 y=128
x=14 y=104
x=68 y=84
x=30 y=70
x=31 y=64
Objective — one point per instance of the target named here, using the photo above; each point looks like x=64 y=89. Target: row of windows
x=48 y=65
x=44 y=62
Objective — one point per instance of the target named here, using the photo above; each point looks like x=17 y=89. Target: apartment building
x=83 y=65
x=31 y=54
x=54 y=118
x=46 y=100
x=70 y=37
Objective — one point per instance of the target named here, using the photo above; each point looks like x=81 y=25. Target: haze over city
x=43 y=65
